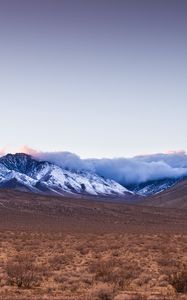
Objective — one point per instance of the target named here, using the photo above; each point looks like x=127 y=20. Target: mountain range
x=23 y=172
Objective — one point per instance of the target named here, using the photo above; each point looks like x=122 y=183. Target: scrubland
x=56 y=248
x=105 y=266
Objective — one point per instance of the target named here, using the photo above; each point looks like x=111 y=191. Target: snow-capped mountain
x=21 y=171
x=153 y=187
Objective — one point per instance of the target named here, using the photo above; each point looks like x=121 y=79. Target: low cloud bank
x=126 y=171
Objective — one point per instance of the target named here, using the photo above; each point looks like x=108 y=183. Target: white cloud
x=123 y=170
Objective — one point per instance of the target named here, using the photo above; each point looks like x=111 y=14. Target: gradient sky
x=101 y=78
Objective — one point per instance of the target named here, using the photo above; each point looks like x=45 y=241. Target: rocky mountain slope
x=25 y=173
x=22 y=172
x=174 y=197
x=153 y=187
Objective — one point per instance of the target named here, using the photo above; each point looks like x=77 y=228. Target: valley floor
x=60 y=248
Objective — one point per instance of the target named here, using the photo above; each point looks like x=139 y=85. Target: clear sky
x=101 y=78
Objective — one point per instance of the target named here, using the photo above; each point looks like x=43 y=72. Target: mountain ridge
x=174 y=197
x=22 y=171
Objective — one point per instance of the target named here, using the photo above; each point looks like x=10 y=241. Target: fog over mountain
x=125 y=171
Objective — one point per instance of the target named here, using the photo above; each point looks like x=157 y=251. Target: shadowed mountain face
x=175 y=197
x=22 y=172
x=22 y=163
x=152 y=187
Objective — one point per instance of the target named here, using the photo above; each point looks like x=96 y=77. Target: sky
x=100 y=78
x=126 y=171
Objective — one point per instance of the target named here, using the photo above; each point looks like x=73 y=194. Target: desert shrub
x=83 y=249
x=101 y=292
x=168 y=262
x=179 y=281
x=60 y=278
x=101 y=267
x=115 y=271
x=22 y=272
x=59 y=260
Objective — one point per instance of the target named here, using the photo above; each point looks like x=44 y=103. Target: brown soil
x=62 y=248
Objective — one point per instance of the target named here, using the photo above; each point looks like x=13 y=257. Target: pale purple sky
x=100 y=78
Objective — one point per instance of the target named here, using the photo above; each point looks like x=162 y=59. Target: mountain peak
x=20 y=169
x=16 y=156
x=19 y=162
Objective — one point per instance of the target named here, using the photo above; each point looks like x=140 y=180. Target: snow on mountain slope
x=21 y=171
x=149 y=188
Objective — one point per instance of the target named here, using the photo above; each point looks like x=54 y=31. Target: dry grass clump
x=115 y=271
x=179 y=280
x=101 y=291
x=22 y=272
x=60 y=260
